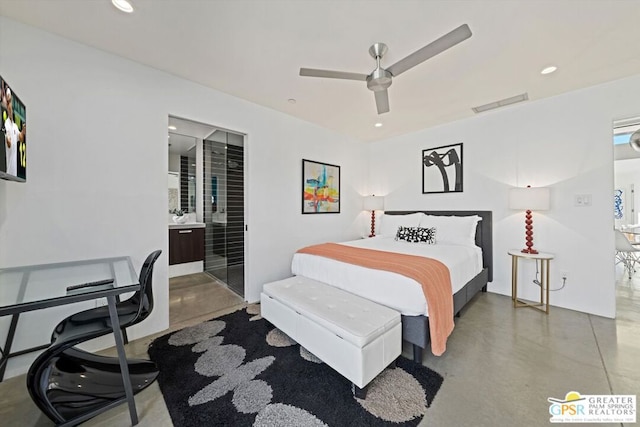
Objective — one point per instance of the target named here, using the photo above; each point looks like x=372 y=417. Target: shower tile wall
x=184 y=183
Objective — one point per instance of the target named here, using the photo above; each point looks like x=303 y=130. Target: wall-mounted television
x=13 y=135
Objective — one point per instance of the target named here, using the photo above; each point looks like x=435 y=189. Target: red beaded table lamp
x=373 y=203
x=529 y=199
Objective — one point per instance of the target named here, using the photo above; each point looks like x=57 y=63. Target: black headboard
x=484 y=232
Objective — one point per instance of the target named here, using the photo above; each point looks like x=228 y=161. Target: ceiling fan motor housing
x=378 y=50
x=379 y=79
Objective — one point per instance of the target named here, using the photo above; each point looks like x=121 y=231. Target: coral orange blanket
x=432 y=275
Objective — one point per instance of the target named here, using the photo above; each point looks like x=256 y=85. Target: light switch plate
x=582 y=200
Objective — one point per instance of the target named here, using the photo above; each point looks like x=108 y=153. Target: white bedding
x=384 y=287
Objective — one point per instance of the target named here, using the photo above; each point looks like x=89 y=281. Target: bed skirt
x=415 y=329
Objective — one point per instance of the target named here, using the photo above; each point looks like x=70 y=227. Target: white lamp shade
x=373 y=203
x=529 y=198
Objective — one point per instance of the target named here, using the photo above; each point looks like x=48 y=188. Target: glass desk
x=37 y=287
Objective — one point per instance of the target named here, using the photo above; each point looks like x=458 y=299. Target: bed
x=470 y=267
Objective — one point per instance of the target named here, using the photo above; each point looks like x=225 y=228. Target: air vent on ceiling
x=623 y=123
x=501 y=103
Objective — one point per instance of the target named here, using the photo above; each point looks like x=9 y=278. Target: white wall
x=565 y=143
x=97 y=167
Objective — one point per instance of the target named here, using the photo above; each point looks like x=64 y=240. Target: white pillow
x=389 y=223
x=459 y=230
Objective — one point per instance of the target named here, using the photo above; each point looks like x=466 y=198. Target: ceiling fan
x=634 y=140
x=380 y=78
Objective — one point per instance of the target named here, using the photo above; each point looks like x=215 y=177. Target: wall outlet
x=564 y=275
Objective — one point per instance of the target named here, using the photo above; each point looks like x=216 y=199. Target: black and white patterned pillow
x=408 y=234
x=403 y=233
x=417 y=235
x=426 y=235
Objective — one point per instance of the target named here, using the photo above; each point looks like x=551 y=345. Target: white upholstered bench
x=355 y=336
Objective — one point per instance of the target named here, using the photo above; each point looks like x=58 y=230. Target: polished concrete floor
x=500 y=367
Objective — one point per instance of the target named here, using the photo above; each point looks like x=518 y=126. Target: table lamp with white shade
x=373 y=203
x=529 y=199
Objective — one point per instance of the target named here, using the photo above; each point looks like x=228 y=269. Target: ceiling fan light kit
x=380 y=78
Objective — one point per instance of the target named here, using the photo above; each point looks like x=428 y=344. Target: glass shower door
x=223 y=211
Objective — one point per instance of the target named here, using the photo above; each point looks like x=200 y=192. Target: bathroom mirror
x=182 y=173
x=174 y=195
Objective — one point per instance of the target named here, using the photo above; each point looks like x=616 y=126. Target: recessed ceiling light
x=549 y=70
x=378 y=125
x=123 y=5
x=291 y=101
x=171 y=127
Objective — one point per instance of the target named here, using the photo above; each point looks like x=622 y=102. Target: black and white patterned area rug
x=238 y=370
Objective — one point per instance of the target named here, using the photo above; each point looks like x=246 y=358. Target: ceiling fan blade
x=312 y=72
x=382 y=101
x=432 y=49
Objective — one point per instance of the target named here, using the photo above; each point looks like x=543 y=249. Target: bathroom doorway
x=214 y=198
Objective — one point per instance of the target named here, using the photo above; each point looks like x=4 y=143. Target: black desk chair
x=67 y=383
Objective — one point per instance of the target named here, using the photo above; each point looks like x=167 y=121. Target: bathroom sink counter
x=173 y=226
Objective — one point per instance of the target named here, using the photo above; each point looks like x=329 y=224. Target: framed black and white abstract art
x=442 y=169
